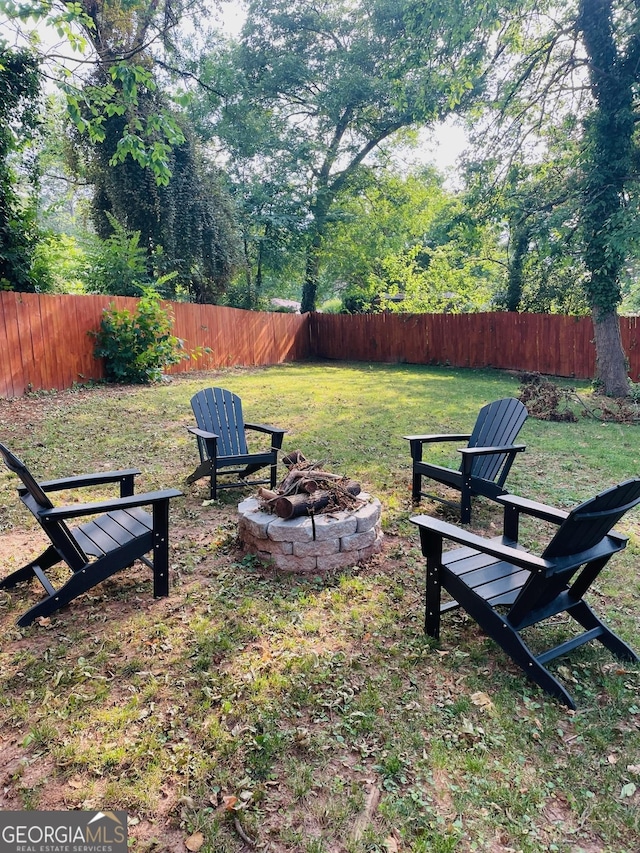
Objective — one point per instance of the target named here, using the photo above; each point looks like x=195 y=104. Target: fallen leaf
x=194 y=842
x=229 y=802
x=391 y=844
x=482 y=700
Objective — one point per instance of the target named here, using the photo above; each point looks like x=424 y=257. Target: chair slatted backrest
x=34 y=498
x=33 y=488
x=586 y=526
x=218 y=410
x=497 y=425
x=589 y=523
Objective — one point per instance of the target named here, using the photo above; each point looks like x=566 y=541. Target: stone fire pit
x=310 y=545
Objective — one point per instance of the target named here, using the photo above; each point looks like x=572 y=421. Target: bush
x=137 y=347
x=332 y=306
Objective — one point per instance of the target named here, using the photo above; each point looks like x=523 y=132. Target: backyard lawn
x=255 y=710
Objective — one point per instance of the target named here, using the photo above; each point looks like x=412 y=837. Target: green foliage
x=58 y=265
x=186 y=226
x=137 y=347
x=332 y=306
x=117 y=265
x=119 y=35
x=19 y=93
x=330 y=84
x=405 y=243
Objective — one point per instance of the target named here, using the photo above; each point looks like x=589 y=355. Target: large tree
x=576 y=68
x=611 y=36
x=335 y=79
x=138 y=151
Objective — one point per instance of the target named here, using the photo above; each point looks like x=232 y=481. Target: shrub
x=332 y=306
x=137 y=347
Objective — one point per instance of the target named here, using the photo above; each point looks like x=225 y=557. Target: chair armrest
x=202 y=433
x=417 y=441
x=538 y=510
x=277 y=434
x=77 y=510
x=266 y=428
x=493 y=547
x=422 y=439
x=487 y=451
x=84 y=480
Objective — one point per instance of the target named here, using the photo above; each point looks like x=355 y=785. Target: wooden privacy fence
x=553 y=344
x=45 y=341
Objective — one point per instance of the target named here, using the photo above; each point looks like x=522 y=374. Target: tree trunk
x=324 y=199
x=608 y=162
x=520 y=237
x=611 y=363
x=312 y=273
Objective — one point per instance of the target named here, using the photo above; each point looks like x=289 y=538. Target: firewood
x=352 y=487
x=267 y=494
x=296 y=505
x=293 y=475
x=293 y=458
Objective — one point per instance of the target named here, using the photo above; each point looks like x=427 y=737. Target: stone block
x=303 y=565
x=357 y=541
x=375 y=548
x=319 y=548
x=337 y=561
x=295 y=530
x=368 y=515
x=335 y=526
x=255 y=543
x=255 y=524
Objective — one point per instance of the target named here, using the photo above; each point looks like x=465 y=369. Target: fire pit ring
x=308 y=545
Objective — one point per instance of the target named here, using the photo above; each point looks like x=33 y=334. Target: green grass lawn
x=311 y=715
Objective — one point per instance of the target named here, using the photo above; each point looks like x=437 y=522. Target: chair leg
x=431 y=545
x=202 y=470
x=584 y=615
x=520 y=654
x=505 y=635
x=274 y=475
x=465 y=503
x=416 y=487
x=213 y=484
x=48 y=558
x=161 y=549
x=432 y=600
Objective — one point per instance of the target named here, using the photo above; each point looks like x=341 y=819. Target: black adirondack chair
x=222 y=442
x=121 y=533
x=486 y=460
x=506 y=589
